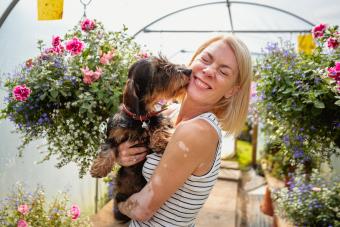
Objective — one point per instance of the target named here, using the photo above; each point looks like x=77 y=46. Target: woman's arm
x=193 y=143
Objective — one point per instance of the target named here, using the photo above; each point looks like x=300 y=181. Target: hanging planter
x=66 y=93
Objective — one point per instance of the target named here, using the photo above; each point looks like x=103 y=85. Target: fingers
x=132 y=160
x=129 y=155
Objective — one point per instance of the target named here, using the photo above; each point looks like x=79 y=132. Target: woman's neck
x=190 y=109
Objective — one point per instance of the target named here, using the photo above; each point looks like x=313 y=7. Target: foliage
x=67 y=92
x=244 y=153
x=21 y=208
x=310 y=200
x=275 y=160
x=299 y=99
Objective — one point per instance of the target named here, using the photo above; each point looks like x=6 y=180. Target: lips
x=200 y=83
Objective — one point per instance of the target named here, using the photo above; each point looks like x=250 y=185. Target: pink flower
x=74 y=212
x=55 y=50
x=56 y=41
x=332 y=42
x=23 y=209
x=334 y=72
x=74 y=46
x=318 y=30
x=90 y=76
x=142 y=55
x=105 y=58
x=87 y=25
x=22 y=223
x=97 y=74
x=21 y=92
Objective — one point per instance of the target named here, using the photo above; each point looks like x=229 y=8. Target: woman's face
x=214 y=73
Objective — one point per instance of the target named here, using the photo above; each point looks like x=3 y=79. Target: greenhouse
x=169 y=113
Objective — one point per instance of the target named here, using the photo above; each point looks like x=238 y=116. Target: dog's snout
x=187 y=72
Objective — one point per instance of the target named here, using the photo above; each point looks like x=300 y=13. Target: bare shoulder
x=198 y=131
x=197 y=126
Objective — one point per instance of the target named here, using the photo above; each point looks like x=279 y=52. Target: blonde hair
x=232 y=112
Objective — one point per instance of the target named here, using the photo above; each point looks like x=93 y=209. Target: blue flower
x=298 y=153
x=286 y=140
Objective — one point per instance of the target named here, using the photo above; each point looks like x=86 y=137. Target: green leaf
x=63 y=93
x=337 y=103
x=43 y=96
x=319 y=104
x=82 y=110
x=54 y=93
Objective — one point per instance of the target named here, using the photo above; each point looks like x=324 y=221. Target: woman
x=180 y=180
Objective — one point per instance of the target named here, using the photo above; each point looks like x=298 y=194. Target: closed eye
x=204 y=59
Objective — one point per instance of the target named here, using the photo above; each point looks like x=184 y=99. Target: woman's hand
x=129 y=155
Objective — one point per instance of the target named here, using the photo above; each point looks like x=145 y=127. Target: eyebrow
x=223 y=65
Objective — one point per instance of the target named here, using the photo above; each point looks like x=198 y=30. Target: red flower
x=332 y=42
x=319 y=30
x=75 y=46
x=87 y=25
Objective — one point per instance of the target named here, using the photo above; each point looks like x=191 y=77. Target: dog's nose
x=187 y=72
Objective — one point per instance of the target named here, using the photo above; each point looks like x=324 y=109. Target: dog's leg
x=159 y=139
x=104 y=162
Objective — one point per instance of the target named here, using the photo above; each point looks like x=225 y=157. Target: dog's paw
x=159 y=140
x=103 y=164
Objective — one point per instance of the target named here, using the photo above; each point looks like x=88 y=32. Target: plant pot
x=267 y=203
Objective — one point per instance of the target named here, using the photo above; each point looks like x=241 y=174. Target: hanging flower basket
x=66 y=93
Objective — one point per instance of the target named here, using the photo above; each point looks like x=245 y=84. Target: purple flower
x=286 y=139
x=298 y=153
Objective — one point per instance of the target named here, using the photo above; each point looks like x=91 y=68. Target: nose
x=209 y=71
x=187 y=72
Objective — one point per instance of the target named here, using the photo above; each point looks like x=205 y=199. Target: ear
x=130 y=98
x=232 y=91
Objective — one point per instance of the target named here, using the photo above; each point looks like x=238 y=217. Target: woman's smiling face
x=214 y=74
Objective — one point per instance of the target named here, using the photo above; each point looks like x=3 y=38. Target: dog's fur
x=149 y=80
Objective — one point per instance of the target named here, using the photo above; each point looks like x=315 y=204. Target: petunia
x=22 y=223
x=332 y=42
x=106 y=58
x=334 y=72
x=90 y=76
x=75 y=46
x=21 y=92
x=74 y=212
x=318 y=30
x=56 y=41
x=88 y=25
x=23 y=209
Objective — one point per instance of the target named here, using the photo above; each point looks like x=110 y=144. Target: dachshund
x=149 y=81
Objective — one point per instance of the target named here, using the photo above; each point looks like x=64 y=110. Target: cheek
x=196 y=67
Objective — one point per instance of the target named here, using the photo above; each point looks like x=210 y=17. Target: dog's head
x=153 y=79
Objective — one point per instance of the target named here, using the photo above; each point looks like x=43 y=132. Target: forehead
x=222 y=54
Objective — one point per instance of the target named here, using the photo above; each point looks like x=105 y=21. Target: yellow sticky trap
x=306 y=43
x=50 y=9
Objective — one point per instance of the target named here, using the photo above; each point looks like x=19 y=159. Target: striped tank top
x=182 y=208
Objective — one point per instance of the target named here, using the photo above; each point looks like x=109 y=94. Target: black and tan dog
x=149 y=80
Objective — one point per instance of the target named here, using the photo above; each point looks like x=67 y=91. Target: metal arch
x=7 y=11
x=228 y=4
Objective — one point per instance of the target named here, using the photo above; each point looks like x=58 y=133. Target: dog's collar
x=142 y=117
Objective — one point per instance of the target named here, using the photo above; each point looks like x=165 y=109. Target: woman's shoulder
x=197 y=129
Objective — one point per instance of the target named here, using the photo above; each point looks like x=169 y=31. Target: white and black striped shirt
x=182 y=208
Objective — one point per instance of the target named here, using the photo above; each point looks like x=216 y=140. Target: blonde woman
x=180 y=180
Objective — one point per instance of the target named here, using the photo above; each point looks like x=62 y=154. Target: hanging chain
x=85 y=4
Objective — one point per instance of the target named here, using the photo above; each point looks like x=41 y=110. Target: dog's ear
x=130 y=97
